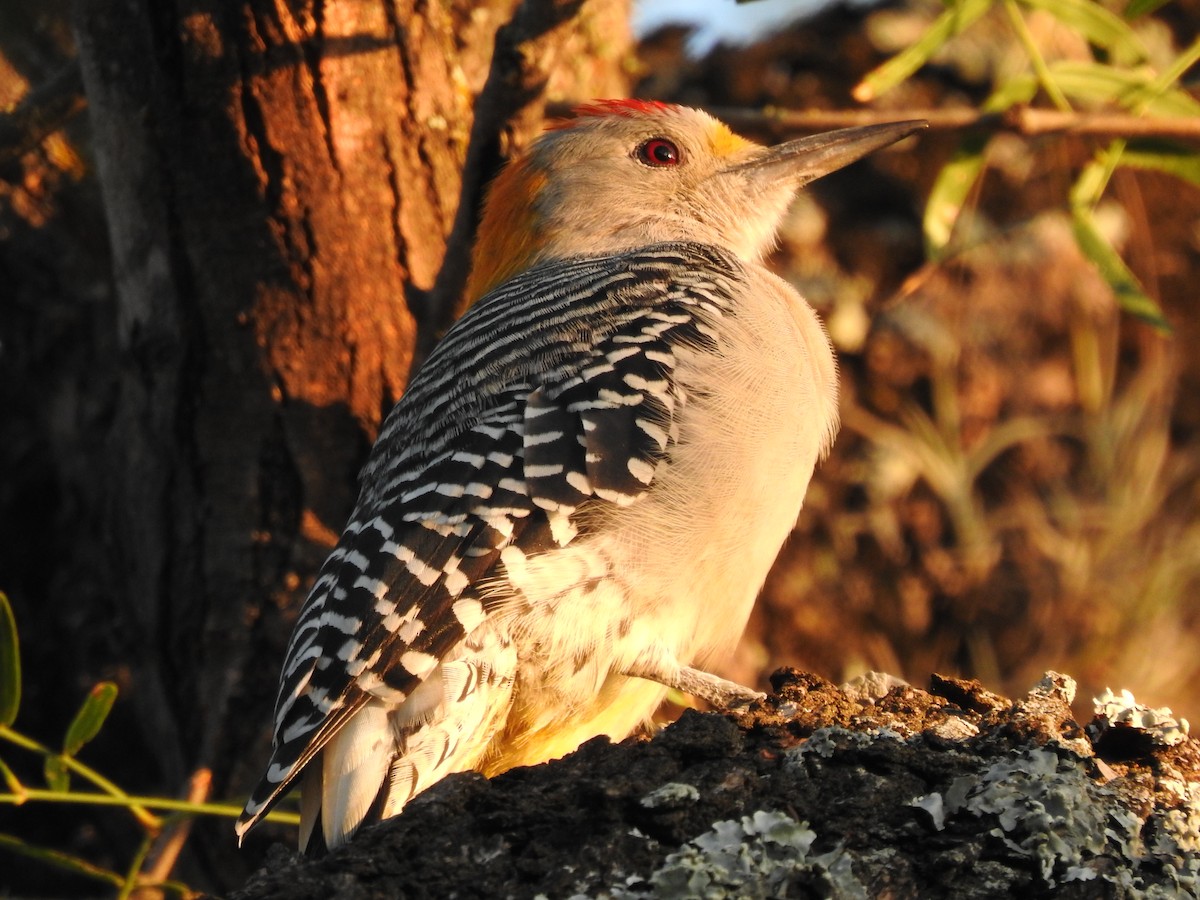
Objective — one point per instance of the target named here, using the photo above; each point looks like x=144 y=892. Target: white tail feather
x=354 y=765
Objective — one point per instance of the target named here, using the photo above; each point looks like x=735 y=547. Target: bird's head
x=626 y=173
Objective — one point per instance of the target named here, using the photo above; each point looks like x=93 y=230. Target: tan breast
x=680 y=568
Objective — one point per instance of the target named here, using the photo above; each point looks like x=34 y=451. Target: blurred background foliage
x=1017 y=483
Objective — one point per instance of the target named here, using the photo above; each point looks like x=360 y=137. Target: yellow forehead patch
x=725 y=142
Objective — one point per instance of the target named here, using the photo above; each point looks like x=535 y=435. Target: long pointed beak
x=807 y=159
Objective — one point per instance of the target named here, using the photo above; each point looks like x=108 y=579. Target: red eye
x=659 y=152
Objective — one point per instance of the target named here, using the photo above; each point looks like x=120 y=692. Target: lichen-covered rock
x=819 y=791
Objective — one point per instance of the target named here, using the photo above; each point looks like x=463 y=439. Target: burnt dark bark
x=816 y=792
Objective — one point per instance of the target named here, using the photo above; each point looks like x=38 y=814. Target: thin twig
x=1021 y=120
x=1036 y=60
x=147 y=819
x=227 y=810
x=171 y=841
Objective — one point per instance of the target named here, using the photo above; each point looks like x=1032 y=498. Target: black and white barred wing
x=554 y=392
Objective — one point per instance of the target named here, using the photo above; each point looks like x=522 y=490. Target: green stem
x=1178 y=67
x=60 y=860
x=134 y=872
x=1112 y=158
x=161 y=803
x=1057 y=97
x=1167 y=79
x=146 y=818
x=81 y=867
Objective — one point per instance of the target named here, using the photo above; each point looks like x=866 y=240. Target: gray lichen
x=825 y=742
x=1121 y=710
x=1047 y=808
x=1043 y=807
x=671 y=794
x=755 y=858
x=1176 y=836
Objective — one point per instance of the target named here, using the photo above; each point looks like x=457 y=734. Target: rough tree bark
x=289 y=225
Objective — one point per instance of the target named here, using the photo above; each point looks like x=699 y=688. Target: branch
x=1021 y=120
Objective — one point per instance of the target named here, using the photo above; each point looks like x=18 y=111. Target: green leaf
x=959 y=15
x=949 y=194
x=58 y=778
x=1018 y=89
x=1133 y=89
x=1178 y=68
x=1139 y=8
x=1089 y=187
x=1183 y=164
x=10 y=665
x=1130 y=295
x=88 y=721
x=1100 y=27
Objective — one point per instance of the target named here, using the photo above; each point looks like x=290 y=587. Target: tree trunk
x=289 y=220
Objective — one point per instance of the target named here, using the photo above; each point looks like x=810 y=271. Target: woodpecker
x=574 y=505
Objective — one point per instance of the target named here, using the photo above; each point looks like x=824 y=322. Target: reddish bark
x=281 y=184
